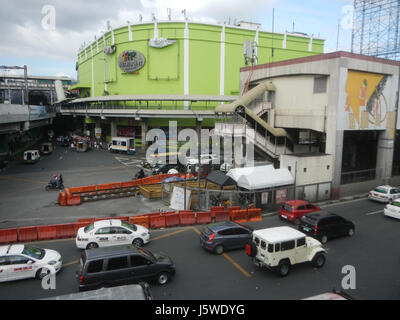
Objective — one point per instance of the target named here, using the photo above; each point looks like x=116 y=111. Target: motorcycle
x=139 y=175
x=52 y=186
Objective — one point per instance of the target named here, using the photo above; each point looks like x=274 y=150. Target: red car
x=293 y=210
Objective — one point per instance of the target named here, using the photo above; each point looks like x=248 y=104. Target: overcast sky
x=26 y=35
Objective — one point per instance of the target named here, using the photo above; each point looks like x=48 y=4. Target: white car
x=384 y=194
x=392 y=210
x=113 y=232
x=204 y=159
x=18 y=261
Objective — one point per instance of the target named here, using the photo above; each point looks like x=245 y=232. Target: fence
x=268 y=199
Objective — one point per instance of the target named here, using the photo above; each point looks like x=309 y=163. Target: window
x=117 y=263
x=394 y=191
x=310 y=207
x=289 y=168
x=277 y=247
x=227 y=232
x=320 y=84
x=104 y=231
x=305 y=170
x=241 y=231
x=288 y=245
x=301 y=207
x=271 y=248
x=17 y=260
x=88 y=228
x=129 y=226
x=33 y=252
x=301 y=242
x=95 y=266
x=263 y=245
x=137 y=261
x=257 y=241
x=3 y=261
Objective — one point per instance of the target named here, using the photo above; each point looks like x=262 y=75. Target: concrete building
x=339 y=116
x=143 y=75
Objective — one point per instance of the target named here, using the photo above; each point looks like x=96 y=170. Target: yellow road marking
x=229 y=259
x=168 y=234
x=70 y=263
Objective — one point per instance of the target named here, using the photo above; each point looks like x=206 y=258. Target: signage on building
x=130 y=61
x=280 y=196
x=160 y=42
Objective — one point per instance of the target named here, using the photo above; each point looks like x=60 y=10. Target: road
x=373 y=251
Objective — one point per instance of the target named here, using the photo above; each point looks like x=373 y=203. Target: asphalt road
x=373 y=251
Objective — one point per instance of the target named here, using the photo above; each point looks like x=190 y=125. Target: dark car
x=223 y=236
x=121 y=265
x=324 y=225
x=164 y=168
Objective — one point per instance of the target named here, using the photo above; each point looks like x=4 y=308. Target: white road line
x=370 y=213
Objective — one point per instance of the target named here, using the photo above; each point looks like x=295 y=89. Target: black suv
x=324 y=225
x=120 y=265
x=222 y=236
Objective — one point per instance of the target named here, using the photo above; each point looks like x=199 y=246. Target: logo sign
x=131 y=61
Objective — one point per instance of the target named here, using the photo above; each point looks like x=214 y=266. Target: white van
x=31 y=156
x=281 y=247
x=122 y=144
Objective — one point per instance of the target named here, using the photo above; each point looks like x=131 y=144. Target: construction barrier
x=186 y=217
x=239 y=216
x=87 y=220
x=8 y=235
x=65 y=230
x=222 y=216
x=26 y=234
x=203 y=217
x=62 y=198
x=111 y=218
x=157 y=222
x=171 y=219
x=254 y=214
x=47 y=232
x=142 y=220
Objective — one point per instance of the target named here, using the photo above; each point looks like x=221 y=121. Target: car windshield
x=287 y=207
x=89 y=228
x=396 y=203
x=380 y=190
x=129 y=226
x=33 y=252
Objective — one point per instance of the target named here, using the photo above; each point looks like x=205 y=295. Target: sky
x=46 y=35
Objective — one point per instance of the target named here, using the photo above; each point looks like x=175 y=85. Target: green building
x=176 y=70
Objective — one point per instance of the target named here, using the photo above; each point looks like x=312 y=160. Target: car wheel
x=162 y=278
x=92 y=245
x=319 y=260
x=219 y=249
x=324 y=239
x=41 y=273
x=351 y=232
x=283 y=268
x=138 y=242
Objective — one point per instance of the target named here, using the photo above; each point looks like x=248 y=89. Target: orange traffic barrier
x=62 y=198
x=157 y=222
x=26 y=234
x=239 y=216
x=74 y=200
x=222 y=216
x=8 y=235
x=47 y=232
x=87 y=220
x=65 y=230
x=254 y=214
x=230 y=209
x=203 y=217
x=142 y=220
x=218 y=208
x=186 y=217
x=171 y=219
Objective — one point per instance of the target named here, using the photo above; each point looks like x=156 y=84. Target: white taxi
x=384 y=194
x=111 y=232
x=18 y=261
x=392 y=210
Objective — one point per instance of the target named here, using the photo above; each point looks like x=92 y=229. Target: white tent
x=262 y=177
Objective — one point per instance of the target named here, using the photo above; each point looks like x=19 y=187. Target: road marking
x=169 y=234
x=236 y=265
x=229 y=259
x=371 y=213
x=70 y=263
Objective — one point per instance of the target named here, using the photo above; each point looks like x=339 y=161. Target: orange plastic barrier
x=62 y=198
x=171 y=219
x=26 y=234
x=86 y=220
x=218 y=208
x=239 y=216
x=47 y=232
x=74 y=200
x=157 y=222
x=230 y=209
x=142 y=220
x=186 y=217
x=254 y=214
x=203 y=217
x=111 y=218
x=222 y=216
x=65 y=230
x=8 y=235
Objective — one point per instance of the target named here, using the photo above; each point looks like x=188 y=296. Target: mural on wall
x=366 y=104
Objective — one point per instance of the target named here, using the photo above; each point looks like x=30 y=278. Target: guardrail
x=153 y=220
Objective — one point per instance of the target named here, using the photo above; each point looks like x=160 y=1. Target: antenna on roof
x=184 y=14
x=140 y=18
x=169 y=13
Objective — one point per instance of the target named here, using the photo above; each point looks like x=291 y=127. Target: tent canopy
x=220 y=179
x=262 y=177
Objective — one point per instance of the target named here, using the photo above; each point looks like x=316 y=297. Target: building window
x=320 y=84
x=289 y=168
x=305 y=170
x=328 y=167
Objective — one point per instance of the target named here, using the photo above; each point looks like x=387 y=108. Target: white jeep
x=281 y=247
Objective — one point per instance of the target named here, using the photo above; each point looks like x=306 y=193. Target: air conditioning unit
x=109 y=49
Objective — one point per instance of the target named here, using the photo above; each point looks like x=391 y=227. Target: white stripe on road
x=370 y=213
